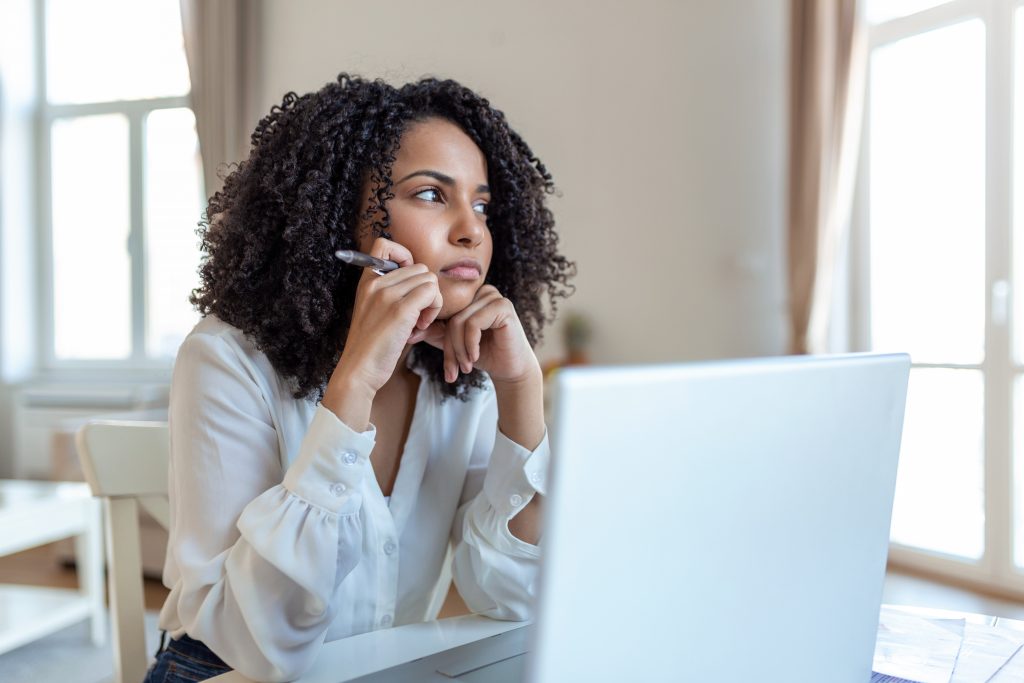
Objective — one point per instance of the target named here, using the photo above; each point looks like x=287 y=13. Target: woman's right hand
x=387 y=309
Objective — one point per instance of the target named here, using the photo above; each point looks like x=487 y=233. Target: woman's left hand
x=487 y=334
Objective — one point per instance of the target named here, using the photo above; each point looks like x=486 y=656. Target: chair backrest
x=125 y=463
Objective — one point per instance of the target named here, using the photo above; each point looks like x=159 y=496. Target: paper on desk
x=917 y=648
x=984 y=651
x=1012 y=671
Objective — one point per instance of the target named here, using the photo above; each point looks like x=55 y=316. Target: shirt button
x=338 y=489
x=349 y=457
x=385 y=621
x=516 y=500
x=389 y=547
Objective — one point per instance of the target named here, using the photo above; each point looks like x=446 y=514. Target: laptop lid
x=722 y=521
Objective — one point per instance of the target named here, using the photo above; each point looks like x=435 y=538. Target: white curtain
x=221 y=45
x=827 y=71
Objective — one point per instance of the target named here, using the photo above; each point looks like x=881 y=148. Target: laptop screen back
x=722 y=521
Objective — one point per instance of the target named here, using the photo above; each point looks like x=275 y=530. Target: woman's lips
x=463 y=270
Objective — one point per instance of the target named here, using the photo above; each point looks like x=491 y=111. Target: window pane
x=940 y=502
x=877 y=11
x=173 y=198
x=927 y=195
x=114 y=50
x=91 y=267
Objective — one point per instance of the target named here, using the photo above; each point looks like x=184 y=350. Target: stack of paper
x=935 y=650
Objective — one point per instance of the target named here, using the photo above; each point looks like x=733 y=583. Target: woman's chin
x=454 y=302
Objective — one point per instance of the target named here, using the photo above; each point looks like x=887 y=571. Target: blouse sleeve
x=258 y=551
x=494 y=571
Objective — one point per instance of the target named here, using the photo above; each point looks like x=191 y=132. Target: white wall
x=662 y=121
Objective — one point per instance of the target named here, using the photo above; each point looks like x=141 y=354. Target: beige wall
x=662 y=121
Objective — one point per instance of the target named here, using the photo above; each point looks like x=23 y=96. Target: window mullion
x=136 y=240
x=45 y=323
x=127 y=107
x=998 y=362
x=939 y=16
x=860 y=236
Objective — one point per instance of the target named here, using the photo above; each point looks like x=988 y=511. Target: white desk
x=349 y=658
x=34 y=513
x=367 y=653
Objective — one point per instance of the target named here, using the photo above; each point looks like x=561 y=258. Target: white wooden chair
x=125 y=463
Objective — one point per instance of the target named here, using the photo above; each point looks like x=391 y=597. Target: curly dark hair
x=270 y=234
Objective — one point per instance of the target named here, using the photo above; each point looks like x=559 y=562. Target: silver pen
x=358 y=258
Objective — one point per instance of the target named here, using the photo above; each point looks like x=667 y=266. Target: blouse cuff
x=332 y=462
x=515 y=474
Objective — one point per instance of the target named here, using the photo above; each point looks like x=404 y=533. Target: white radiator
x=45 y=415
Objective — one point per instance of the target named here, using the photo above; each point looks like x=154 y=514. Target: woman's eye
x=480 y=208
x=429 y=195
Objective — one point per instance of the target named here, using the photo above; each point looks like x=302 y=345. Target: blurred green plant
x=577 y=332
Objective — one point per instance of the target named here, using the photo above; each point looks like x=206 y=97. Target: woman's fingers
x=429 y=314
x=410 y=294
x=397 y=284
x=455 y=344
x=465 y=329
x=472 y=336
x=451 y=366
x=420 y=296
x=390 y=311
x=463 y=341
x=391 y=251
x=457 y=335
x=434 y=334
x=487 y=318
x=491 y=307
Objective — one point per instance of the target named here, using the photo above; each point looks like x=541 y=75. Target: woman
x=332 y=429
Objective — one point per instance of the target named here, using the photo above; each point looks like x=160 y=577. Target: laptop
x=723 y=521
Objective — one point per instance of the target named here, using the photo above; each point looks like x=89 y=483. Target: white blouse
x=281 y=538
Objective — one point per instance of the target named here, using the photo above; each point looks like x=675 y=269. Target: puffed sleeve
x=495 y=572
x=258 y=551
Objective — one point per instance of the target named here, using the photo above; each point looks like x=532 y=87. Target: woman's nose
x=468 y=228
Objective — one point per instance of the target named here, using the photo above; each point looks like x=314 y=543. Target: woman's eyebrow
x=441 y=178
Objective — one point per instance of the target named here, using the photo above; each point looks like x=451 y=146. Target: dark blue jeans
x=183 y=661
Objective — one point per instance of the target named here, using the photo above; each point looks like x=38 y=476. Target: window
x=935 y=238
x=121 y=184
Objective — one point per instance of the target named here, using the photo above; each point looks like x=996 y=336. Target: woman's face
x=439 y=211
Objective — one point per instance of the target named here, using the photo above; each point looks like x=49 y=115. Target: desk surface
x=367 y=653
x=908 y=628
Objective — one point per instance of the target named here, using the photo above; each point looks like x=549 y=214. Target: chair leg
x=125 y=579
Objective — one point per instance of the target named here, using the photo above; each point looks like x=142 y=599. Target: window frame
x=995 y=570
x=138 y=364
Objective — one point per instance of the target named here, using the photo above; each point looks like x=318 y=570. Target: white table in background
x=34 y=513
